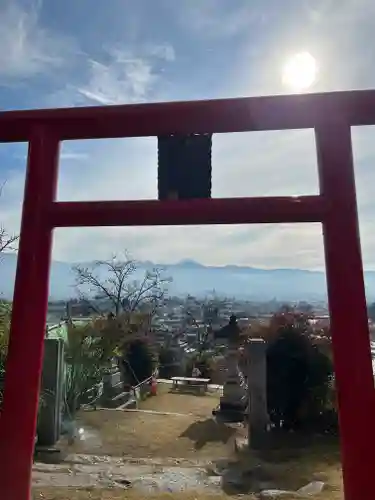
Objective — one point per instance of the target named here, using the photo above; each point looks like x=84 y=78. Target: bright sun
x=300 y=72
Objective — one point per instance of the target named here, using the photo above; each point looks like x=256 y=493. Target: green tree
x=298 y=372
x=91 y=348
x=86 y=361
x=5 y=315
x=167 y=362
x=140 y=360
x=5 y=319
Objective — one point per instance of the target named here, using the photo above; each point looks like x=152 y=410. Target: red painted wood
x=222 y=115
x=184 y=212
x=347 y=303
x=24 y=364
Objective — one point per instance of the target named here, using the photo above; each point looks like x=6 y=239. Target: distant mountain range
x=199 y=280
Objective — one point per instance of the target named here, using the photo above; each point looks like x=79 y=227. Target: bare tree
x=7 y=240
x=113 y=281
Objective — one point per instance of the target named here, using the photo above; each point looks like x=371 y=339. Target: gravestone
x=113 y=388
x=257 y=392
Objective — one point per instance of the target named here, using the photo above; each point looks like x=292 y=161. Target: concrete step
x=131 y=404
x=119 y=400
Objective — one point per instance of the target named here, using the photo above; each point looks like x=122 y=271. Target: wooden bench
x=184 y=382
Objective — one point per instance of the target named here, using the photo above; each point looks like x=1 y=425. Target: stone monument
x=258 y=423
x=52 y=382
x=233 y=402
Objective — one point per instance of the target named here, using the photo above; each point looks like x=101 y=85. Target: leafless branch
x=149 y=291
x=7 y=240
x=85 y=301
x=111 y=280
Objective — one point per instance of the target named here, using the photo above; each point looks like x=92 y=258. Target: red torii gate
x=331 y=115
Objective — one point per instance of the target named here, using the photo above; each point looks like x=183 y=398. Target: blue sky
x=85 y=52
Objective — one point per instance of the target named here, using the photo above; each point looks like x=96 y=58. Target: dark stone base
x=48 y=455
x=229 y=412
x=225 y=406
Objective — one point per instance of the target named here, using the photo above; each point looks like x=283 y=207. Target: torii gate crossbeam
x=331 y=115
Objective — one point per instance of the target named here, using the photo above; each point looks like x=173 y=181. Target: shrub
x=86 y=362
x=90 y=349
x=167 y=362
x=5 y=314
x=298 y=373
x=139 y=360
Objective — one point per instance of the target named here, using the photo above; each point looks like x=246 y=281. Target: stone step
x=119 y=400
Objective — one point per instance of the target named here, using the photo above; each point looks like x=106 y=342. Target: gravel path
x=104 y=472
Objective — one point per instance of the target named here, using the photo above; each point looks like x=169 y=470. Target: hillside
x=197 y=279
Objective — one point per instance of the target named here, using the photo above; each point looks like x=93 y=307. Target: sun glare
x=300 y=72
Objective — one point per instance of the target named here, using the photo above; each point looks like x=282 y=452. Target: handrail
x=146 y=380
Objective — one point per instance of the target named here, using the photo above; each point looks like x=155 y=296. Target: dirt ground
x=192 y=435
x=297 y=465
x=141 y=435
x=178 y=402
x=113 y=494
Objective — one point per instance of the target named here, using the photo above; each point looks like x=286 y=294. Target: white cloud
x=74 y=156
x=126 y=75
x=256 y=164
x=120 y=81
x=279 y=246
x=219 y=19
x=28 y=49
x=164 y=51
x=64 y=155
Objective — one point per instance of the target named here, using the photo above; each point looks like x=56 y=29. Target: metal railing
x=143 y=389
